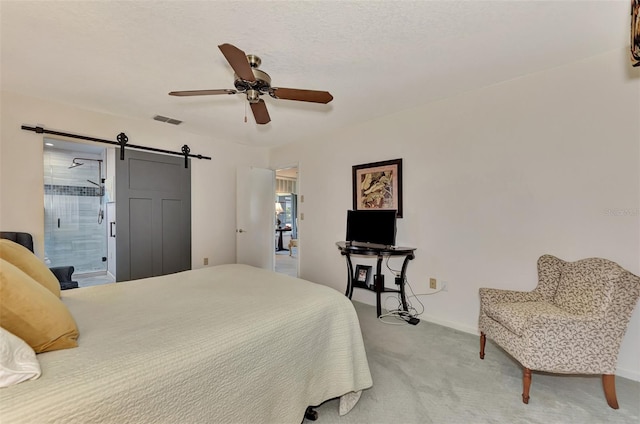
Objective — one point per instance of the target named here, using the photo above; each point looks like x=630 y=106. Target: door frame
x=298 y=207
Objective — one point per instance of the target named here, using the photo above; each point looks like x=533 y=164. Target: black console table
x=347 y=249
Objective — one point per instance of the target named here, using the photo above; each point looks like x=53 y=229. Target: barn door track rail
x=122 y=141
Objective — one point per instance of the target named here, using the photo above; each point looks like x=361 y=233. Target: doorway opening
x=75 y=226
x=287 y=235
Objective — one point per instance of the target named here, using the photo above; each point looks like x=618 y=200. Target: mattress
x=225 y=344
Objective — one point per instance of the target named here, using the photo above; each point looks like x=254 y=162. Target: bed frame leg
x=311 y=414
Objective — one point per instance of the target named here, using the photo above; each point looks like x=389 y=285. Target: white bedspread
x=226 y=344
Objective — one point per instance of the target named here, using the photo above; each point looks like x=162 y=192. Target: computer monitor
x=373 y=226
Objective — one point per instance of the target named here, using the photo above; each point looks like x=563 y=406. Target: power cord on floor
x=401 y=314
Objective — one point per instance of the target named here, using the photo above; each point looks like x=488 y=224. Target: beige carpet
x=432 y=374
x=286 y=264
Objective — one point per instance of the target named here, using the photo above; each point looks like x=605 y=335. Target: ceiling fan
x=254 y=83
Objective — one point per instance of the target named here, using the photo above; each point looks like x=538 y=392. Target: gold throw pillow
x=33 y=313
x=29 y=263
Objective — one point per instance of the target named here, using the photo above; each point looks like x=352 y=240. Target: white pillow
x=18 y=361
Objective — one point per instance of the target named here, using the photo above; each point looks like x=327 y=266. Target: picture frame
x=635 y=33
x=363 y=275
x=378 y=185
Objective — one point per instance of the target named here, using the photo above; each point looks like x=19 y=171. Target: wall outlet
x=432 y=283
x=206 y=261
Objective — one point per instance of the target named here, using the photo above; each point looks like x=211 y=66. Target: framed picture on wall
x=363 y=275
x=635 y=32
x=378 y=185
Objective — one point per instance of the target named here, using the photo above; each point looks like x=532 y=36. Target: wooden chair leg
x=483 y=341
x=609 y=385
x=526 y=383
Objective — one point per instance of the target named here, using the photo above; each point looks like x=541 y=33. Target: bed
x=224 y=344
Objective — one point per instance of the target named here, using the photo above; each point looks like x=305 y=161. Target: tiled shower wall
x=73 y=235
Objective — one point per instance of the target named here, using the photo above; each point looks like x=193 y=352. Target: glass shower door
x=75 y=231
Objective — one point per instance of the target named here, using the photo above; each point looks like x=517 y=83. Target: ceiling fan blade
x=301 y=95
x=238 y=61
x=202 y=92
x=260 y=112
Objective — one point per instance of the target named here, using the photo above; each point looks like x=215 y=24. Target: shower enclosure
x=74 y=205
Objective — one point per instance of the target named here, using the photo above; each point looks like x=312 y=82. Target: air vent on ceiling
x=167 y=120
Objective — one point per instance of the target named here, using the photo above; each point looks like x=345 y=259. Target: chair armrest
x=489 y=296
x=63 y=273
x=577 y=344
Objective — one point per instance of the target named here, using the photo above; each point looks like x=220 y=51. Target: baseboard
x=620 y=372
x=450 y=324
x=631 y=375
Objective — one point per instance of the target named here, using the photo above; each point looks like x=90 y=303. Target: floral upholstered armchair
x=572 y=323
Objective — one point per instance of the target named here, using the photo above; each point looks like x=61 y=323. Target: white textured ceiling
x=375 y=57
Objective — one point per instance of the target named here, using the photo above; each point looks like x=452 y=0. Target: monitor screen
x=372 y=226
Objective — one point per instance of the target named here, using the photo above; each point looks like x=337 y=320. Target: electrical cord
x=397 y=306
x=427 y=294
x=395 y=313
x=401 y=314
x=414 y=296
x=394 y=271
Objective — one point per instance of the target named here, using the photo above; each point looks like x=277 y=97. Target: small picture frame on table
x=363 y=275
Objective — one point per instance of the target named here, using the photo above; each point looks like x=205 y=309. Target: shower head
x=74 y=163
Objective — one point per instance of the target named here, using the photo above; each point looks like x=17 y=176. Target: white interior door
x=255 y=217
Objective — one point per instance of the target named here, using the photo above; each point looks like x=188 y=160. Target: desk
x=280 y=231
x=346 y=249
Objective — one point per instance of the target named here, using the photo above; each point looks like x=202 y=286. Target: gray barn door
x=153 y=208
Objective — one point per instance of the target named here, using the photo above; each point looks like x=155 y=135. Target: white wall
x=212 y=182
x=493 y=178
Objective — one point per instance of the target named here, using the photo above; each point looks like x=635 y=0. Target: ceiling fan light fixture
x=254 y=61
x=253 y=96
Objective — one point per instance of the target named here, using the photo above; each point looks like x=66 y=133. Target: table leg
x=379 y=285
x=349 y=291
x=280 y=246
x=403 y=297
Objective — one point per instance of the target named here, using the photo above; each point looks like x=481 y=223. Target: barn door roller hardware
x=122 y=141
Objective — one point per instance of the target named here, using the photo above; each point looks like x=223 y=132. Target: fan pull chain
x=245 y=112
